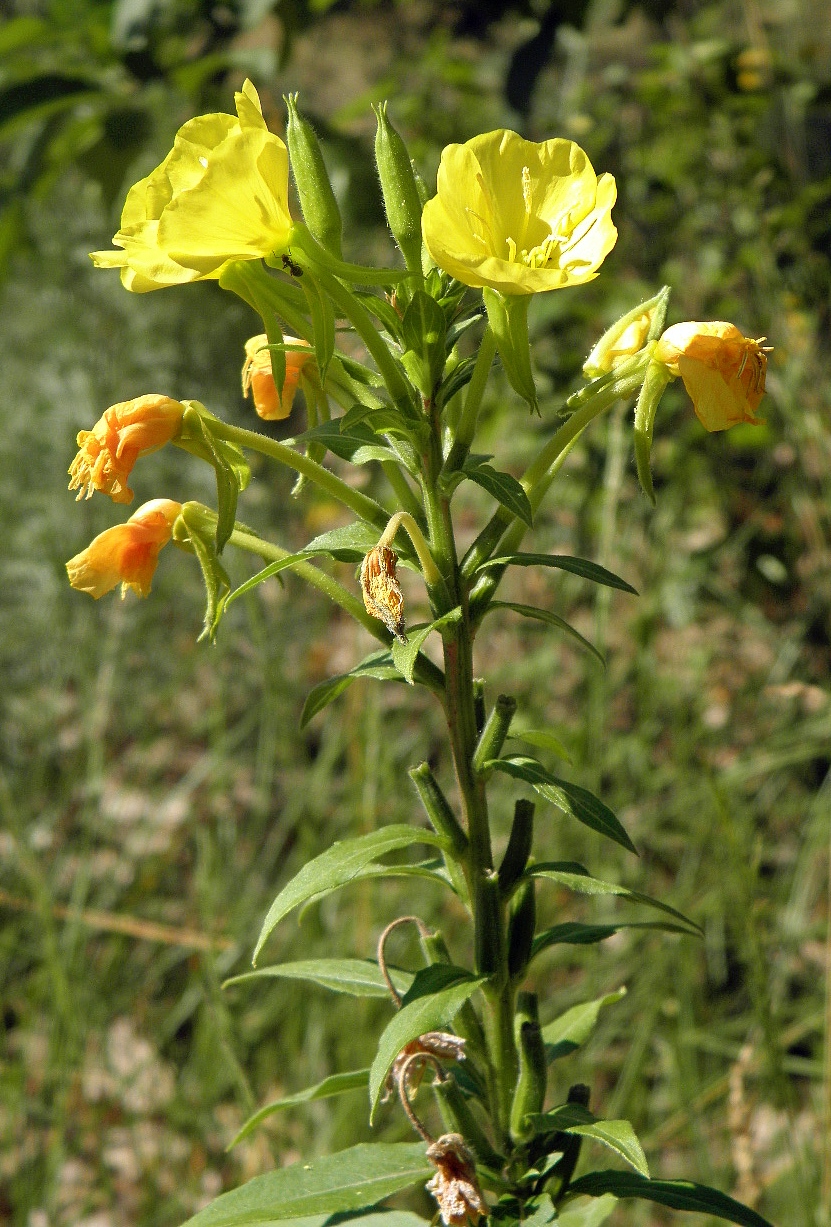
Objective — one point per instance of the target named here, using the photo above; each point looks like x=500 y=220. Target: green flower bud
x=317 y=200
x=399 y=188
x=529 y=1095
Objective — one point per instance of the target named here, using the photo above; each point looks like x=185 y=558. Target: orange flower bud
x=124 y=432
x=127 y=553
x=723 y=371
x=381 y=591
x=258 y=379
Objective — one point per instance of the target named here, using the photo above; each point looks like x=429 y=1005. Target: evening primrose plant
x=467 y=1051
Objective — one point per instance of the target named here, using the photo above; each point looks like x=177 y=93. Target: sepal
x=508 y=318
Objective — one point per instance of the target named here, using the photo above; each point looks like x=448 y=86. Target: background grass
x=156 y=793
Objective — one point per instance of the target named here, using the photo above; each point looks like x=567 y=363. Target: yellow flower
x=220 y=194
x=125 y=431
x=517 y=216
x=723 y=371
x=126 y=554
x=257 y=377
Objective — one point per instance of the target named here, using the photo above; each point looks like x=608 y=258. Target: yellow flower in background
x=517 y=216
x=257 y=377
x=126 y=554
x=125 y=431
x=723 y=371
x=220 y=194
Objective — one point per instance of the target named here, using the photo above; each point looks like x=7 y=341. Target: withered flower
x=381 y=590
x=431 y=1044
x=454 y=1185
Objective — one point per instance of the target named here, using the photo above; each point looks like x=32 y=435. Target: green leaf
x=574 y=1027
x=337 y=866
x=571 y=798
x=563 y=562
x=357 y=443
x=585 y=1213
x=405 y=655
x=503 y=487
x=426 y=1014
x=620 y=1137
x=349 y=543
x=357 y=977
x=423 y=331
x=677 y=1194
x=434 y=979
x=577 y=878
x=349 y=1180
x=323 y=322
x=572 y=933
x=458 y=378
x=377 y=665
x=337 y=1084
x=551 y=619
x=543 y=739
x=562 y=1117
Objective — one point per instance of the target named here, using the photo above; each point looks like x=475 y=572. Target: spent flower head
x=125 y=431
x=723 y=370
x=220 y=194
x=517 y=216
x=127 y=553
x=454 y=1185
x=381 y=590
x=258 y=378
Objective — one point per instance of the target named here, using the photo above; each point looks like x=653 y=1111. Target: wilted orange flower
x=454 y=1185
x=125 y=431
x=259 y=380
x=126 y=554
x=723 y=371
x=381 y=590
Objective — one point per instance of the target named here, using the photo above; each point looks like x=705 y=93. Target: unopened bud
x=399 y=189
x=317 y=200
x=381 y=590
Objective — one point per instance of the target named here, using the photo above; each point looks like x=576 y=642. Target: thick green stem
x=364 y=507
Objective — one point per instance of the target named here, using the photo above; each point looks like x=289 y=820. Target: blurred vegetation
x=155 y=792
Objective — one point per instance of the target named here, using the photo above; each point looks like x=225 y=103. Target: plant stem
x=466 y=427
x=364 y=507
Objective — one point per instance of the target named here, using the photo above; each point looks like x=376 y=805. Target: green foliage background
x=156 y=792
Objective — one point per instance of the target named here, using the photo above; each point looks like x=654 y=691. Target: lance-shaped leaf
x=405 y=655
x=423 y=331
x=574 y=1027
x=677 y=1194
x=563 y=562
x=356 y=443
x=551 y=619
x=620 y=1137
x=337 y=866
x=544 y=739
x=334 y=1184
x=502 y=486
x=337 y=1084
x=356 y=977
x=573 y=933
x=587 y=1213
x=431 y=1013
x=378 y=665
x=577 y=878
x=571 y=798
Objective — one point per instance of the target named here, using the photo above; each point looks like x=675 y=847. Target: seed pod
x=495 y=731
x=521 y=927
x=489 y=937
x=529 y=1095
x=317 y=200
x=519 y=845
x=399 y=189
x=437 y=808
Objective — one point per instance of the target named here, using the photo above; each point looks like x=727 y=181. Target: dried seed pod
x=381 y=590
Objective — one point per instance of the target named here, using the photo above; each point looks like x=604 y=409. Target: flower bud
x=317 y=200
x=628 y=335
x=125 y=431
x=723 y=371
x=381 y=590
x=126 y=554
x=258 y=377
x=399 y=189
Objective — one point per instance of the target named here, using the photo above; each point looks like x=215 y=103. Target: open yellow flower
x=257 y=377
x=517 y=216
x=125 y=431
x=126 y=554
x=723 y=371
x=220 y=194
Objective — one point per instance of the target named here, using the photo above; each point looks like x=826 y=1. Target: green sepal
x=317 y=200
x=269 y=296
x=652 y=389
x=508 y=318
x=323 y=323
x=217 y=583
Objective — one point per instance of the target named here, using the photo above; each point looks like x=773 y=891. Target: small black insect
x=291 y=267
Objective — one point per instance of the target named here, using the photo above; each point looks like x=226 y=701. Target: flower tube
x=127 y=553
